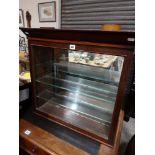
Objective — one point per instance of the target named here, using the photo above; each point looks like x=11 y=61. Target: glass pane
x=78 y=87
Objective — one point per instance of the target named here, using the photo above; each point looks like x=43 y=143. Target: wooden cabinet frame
x=114 y=43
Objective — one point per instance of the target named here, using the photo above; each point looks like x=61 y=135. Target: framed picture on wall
x=21 y=18
x=47 y=11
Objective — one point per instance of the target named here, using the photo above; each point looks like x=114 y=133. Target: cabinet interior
x=79 y=87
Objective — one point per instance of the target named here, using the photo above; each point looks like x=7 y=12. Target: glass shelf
x=65 y=100
x=89 y=72
x=74 y=118
x=83 y=89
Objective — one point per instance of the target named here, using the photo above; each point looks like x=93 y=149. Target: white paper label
x=72 y=47
x=27 y=132
x=131 y=39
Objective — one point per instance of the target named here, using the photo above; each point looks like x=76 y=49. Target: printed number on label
x=72 y=47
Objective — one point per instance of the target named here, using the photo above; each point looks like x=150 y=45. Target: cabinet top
x=109 y=37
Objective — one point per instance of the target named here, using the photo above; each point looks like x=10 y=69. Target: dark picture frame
x=47 y=11
x=21 y=18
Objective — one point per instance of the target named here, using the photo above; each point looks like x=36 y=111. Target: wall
x=32 y=7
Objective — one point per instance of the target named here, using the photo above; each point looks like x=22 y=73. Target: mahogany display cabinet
x=80 y=78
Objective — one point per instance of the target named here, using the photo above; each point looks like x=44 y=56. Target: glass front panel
x=78 y=87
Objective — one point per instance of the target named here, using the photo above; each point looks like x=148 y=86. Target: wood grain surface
x=41 y=142
x=104 y=150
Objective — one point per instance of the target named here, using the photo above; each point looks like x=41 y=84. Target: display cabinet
x=80 y=78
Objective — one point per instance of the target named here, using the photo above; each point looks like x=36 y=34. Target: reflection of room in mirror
x=100 y=60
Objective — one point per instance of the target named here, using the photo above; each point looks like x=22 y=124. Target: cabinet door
x=77 y=88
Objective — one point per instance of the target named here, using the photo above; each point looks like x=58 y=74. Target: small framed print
x=21 y=18
x=47 y=11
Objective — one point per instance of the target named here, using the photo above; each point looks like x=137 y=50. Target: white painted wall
x=32 y=7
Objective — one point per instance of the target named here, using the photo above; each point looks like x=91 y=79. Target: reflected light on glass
x=74 y=106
